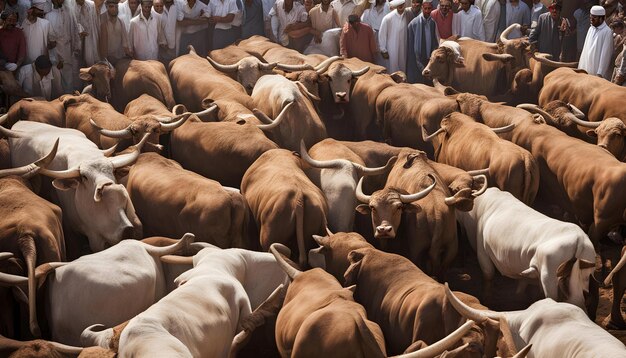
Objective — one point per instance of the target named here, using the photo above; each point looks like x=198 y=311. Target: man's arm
x=343 y=46
x=373 y=46
x=535 y=32
x=479 y=28
x=382 y=39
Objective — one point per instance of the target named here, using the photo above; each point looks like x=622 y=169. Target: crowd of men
x=45 y=42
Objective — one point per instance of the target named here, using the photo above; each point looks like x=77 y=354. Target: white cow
x=202 y=316
x=329 y=45
x=555 y=329
x=107 y=287
x=92 y=202
x=523 y=243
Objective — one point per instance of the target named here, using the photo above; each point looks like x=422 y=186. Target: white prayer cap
x=396 y=3
x=597 y=10
x=427 y=1
x=40 y=4
x=10 y=66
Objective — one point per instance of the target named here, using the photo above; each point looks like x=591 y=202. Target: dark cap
x=556 y=3
x=8 y=12
x=353 y=18
x=111 y=1
x=43 y=62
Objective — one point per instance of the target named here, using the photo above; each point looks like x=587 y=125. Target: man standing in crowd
x=168 y=26
x=373 y=16
x=322 y=18
x=113 y=36
x=517 y=12
x=538 y=9
x=598 y=47
x=18 y=6
x=357 y=40
x=36 y=32
x=222 y=13
x=287 y=16
x=582 y=24
x=88 y=27
x=550 y=31
x=468 y=22
x=12 y=40
x=443 y=18
x=64 y=42
x=41 y=79
x=422 y=40
x=392 y=37
x=415 y=10
x=194 y=27
x=145 y=38
x=490 y=10
x=127 y=10
x=252 y=19
x=343 y=9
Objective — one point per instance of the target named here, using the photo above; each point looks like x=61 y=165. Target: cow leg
x=594 y=298
x=489 y=270
x=619 y=286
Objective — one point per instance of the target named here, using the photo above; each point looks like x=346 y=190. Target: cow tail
x=299 y=211
x=369 y=341
x=531 y=179
x=26 y=244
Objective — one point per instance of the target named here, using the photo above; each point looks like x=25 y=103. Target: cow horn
x=178 y=109
x=533 y=108
x=365 y=199
x=468 y=312
x=180 y=120
x=10 y=133
x=583 y=123
x=29 y=170
x=96 y=335
x=294 y=68
x=318 y=163
x=306 y=92
x=328 y=232
x=184 y=242
x=428 y=138
x=442 y=345
x=323 y=66
x=109 y=152
x=484 y=187
x=365 y=171
x=278 y=250
x=7 y=279
x=176 y=260
x=523 y=352
x=276 y=121
x=61 y=174
x=224 y=68
x=551 y=63
x=5 y=255
x=360 y=72
x=504 y=129
x=118 y=134
x=577 y=112
x=616 y=268
x=128 y=159
x=504 y=57
x=267 y=66
x=3 y=118
x=409 y=198
x=504 y=36
x=478 y=172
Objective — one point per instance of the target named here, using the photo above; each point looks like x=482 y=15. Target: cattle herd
x=261 y=202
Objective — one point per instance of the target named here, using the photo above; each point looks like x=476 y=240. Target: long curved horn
x=428 y=138
x=179 y=108
x=204 y=112
x=328 y=232
x=409 y=198
x=9 y=133
x=365 y=199
x=180 y=120
x=128 y=159
x=184 y=242
x=119 y=134
x=323 y=66
x=224 y=68
x=504 y=36
x=523 y=352
x=365 y=171
x=5 y=255
x=551 y=63
x=616 y=268
x=3 y=118
x=276 y=121
x=278 y=250
x=29 y=170
x=481 y=190
x=96 y=335
x=583 y=123
x=306 y=92
x=360 y=72
x=7 y=279
x=293 y=68
x=504 y=129
x=442 y=345
x=577 y=112
x=109 y=152
x=336 y=163
x=61 y=174
x=468 y=312
x=533 y=108
x=478 y=172
x=267 y=66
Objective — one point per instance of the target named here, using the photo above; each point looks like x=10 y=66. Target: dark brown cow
x=171 y=201
x=99 y=77
x=38 y=110
x=563 y=116
x=47 y=349
x=287 y=207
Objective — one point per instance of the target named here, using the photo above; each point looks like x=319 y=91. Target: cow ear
x=292 y=76
x=363 y=209
x=352 y=273
x=531 y=273
x=591 y=133
x=584 y=264
x=351 y=288
x=70 y=101
x=85 y=75
x=565 y=268
x=65 y=184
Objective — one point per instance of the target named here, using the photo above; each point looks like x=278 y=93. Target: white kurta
x=125 y=14
x=374 y=15
x=490 y=10
x=597 y=51
x=469 y=24
x=88 y=22
x=280 y=19
x=168 y=24
x=48 y=87
x=65 y=33
x=343 y=8
x=36 y=35
x=519 y=14
x=222 y=8
x=392 y=39
x=143 y=37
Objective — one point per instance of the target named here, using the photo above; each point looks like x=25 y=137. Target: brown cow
x=99 y=77
x=563 y=116
x=473 y=146
x=48 y=349
x=284 y=202
x=31 y=227
x=38 y=110
x=171 y=201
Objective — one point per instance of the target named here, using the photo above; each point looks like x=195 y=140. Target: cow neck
x=437 y=151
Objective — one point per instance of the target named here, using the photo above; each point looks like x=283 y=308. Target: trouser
x=223 y=38
x=197 y=40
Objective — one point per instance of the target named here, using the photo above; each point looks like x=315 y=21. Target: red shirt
x=360 y=44
x=444 y=24
x=12 y=44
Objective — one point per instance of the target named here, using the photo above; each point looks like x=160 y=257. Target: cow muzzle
x=426 y=73
x=384 y=232
x=341 y=96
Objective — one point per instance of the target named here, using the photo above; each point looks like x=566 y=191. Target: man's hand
x=385 y=55
x=51 y=45
x=213 y=19
x=619 y=79
x=60 y=65
x=128 y=52
x=288 y=28
x=318 y=39
x=83 y=34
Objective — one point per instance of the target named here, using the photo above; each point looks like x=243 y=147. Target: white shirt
x=469 y=24
x=392 y=38
x=36 y=35
x=88 y=22
x=222 y=8
x=27 y=76
x=144 y=39
x=374 y=15
x=186 y=12
x=597 y=51
x=126 y=15
x=168 y=24
x=64 y=32
x=281 y=18
x=519 y=14
x=343 y=8
x=490 y=10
